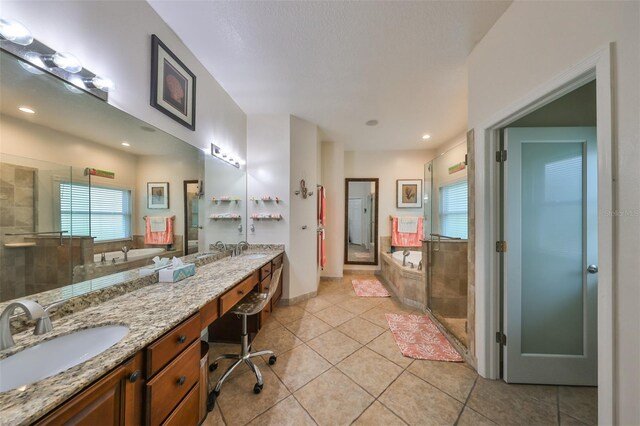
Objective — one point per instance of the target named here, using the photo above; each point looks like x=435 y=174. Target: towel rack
x=170 y=217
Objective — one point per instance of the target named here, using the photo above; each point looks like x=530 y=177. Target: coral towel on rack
x=406 y=239
x=158 y=237
x=322 y=215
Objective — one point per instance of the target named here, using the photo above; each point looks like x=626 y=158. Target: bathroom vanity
x=152 y=375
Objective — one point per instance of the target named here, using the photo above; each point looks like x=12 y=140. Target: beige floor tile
x=278 y=340
x=507 y=404
x=371 y=371
x=214 y=418
x=359 y=305
x=419 y=403
x=271 y=324
x=299 y=366
x=332 y=399
x=287 y=412
x=378 y=415
x=580 y=403
x=377 y=316
x=216 y=349
x=361 y=330
x=470 y=417
x=239 y=405
x=394 y=306
x=334 y=346
x=332 y=298
x=542 y=393
x=386 y=346
x=567 y=420
x=314 y=305
x=288 y=314
x=308 y=327
x=334 y=315
x=454 y=378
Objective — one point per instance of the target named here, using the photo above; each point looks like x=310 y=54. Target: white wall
x=333 y=181
x=113 y=38
x=303 y=269
x=388 y=166
x=532 y=43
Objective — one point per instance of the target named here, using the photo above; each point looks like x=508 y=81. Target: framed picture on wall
x=173 y=86
x=409 y=193
x=158 y=195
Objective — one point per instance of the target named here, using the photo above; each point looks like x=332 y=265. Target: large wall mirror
x=88 y=191
x=361 y=221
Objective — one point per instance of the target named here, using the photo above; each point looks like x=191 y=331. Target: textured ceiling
x=340 y=64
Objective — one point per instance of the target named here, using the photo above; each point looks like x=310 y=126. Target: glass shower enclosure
x=446 y=233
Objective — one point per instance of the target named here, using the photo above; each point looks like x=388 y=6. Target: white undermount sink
x=56 y=355
x=252 y=256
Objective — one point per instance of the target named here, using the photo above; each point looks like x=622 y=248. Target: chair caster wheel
x=257 y=388
x=212 y=367
x=272 y=359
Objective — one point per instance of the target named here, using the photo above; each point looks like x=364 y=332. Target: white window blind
x=454 y=210
x=103 y=213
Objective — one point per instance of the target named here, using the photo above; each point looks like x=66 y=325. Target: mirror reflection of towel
x=408 y=224
x=158 y=223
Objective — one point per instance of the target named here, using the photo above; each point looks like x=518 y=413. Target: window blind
x=454 y=209
x=103 y=213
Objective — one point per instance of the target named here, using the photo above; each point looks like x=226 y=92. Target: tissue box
x=172 y=275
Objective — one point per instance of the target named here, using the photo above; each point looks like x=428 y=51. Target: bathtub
x=414 y=256
x=134 y=254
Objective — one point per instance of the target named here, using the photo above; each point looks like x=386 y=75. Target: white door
x=550 y=280
x=355 y=221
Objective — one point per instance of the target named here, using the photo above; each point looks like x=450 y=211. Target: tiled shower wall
x=17 y=206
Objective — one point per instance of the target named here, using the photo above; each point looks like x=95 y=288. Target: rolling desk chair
x=252 y=304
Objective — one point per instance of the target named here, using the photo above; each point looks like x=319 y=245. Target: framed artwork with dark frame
x=157 y=195
x=173 y=86
x=409 y=193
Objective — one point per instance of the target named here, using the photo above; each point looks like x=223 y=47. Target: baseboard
x=298 y=299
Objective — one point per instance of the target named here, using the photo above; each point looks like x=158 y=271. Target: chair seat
x=251 y=304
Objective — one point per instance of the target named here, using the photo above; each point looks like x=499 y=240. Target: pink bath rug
x=418 y=337
x=369 y=288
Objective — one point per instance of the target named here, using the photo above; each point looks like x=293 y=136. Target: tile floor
x=338 y=365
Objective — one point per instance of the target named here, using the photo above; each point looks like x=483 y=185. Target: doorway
x=361 y=221
x=191 y=216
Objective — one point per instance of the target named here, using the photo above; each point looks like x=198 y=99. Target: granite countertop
x=149 y=312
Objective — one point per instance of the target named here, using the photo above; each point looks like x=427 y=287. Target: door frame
x=376 y=183
x=598 y=67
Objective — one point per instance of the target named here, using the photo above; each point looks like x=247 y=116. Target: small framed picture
x=409 y=193
x=158 y=195
x=173 y=86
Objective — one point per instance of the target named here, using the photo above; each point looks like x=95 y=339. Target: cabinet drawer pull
x=240 y=291
x=182 y=338
x=181 y=380
x=133 y=377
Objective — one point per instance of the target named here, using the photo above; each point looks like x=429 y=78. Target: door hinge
x=466 y=159
x=501 y=246
x=501 y=338
x=501 y=156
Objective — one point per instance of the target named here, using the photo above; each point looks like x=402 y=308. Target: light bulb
x=15 y=32
x=103 y=83
x=27 y=110
x=65 y=61
x=34 y=58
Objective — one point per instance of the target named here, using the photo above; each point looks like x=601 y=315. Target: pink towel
x=402 y=239
x=165 y=237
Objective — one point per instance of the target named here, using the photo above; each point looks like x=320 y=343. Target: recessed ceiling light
x=371 y=123
x=425 y=137
x=27 y=110
x=126 y=144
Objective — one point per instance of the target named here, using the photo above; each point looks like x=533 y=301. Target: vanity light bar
x=221 y=155
x=17 y=40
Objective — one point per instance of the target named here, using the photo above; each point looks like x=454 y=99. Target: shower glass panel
x=446 y=210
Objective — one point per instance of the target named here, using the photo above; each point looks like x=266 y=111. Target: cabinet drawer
x=265 y=271
x=168 y=387
x=171 y=344
x=186 y=413
x=233 y=296
x=209 y=313
x=264 y=284
x=275 y=263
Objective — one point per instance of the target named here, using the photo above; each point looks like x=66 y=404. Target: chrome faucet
x=125 y=250
x=420 y=265
x=103 y=258
x=405 y=254
x=44 y=324
x=220 y=246
x=31 y=308
x=240 y=247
